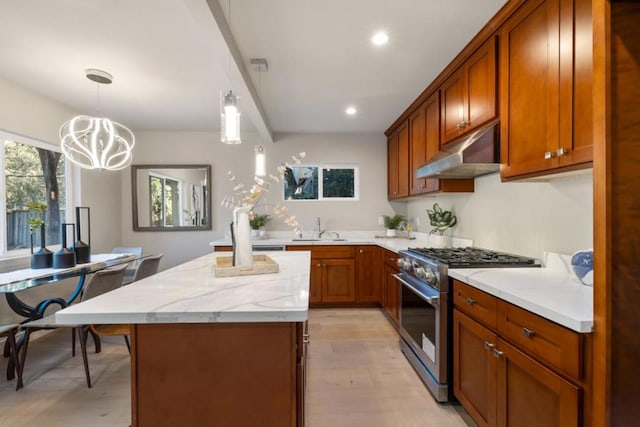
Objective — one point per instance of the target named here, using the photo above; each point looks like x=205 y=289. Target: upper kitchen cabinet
x=424 y=143
x=469 y=94
x=546 y=88
x=398 y=162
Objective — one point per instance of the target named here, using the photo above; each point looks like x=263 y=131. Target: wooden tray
x=262 y=264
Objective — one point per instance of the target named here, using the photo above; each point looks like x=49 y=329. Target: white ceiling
x=170 y=60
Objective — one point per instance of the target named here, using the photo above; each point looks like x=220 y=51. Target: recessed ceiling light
x=351 y=111
x=380 y=38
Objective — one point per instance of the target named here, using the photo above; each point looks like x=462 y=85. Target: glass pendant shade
x=261 y=161
x=230 y=119
x=97 y=143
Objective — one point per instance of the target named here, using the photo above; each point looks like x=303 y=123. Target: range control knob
x=430 y=276
x=420 y=272
x=403 y=263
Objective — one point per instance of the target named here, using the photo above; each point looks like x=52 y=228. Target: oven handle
x=431 y=300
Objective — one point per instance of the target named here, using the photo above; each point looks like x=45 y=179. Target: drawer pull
x=549 y=155
x=470 y=301
x=528 y=332
x=488 y=346
x=497 y=353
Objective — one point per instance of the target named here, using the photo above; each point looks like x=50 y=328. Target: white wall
x=367 y=150
x=525 y=218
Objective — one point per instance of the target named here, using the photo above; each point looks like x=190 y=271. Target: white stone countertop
x=552 y=292
x=190 y=293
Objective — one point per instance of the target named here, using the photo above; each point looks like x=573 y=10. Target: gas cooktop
x=470 y=257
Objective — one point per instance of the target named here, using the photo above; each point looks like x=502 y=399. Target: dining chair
x=131 y=267
x=9 y=332
x=101 y=282
x=147 y=267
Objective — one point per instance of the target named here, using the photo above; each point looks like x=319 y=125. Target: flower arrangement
x=245 y=196
x=36 y=222
x=441 y=220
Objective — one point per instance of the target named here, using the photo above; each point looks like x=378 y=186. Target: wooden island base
x=217 y=374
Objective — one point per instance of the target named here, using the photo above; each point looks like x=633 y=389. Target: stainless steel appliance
x=426 y=308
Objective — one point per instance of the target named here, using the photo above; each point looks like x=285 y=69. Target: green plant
x=36 y=221
x=441 y=220
x=392 y=222
x=258 y=221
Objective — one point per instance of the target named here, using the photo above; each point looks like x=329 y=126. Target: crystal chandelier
x=97 y=142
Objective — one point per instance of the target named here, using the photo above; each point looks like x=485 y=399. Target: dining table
x=16 y=281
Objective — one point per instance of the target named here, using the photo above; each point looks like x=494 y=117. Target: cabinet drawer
x=559 y=347
x=477 y=304
x=390 y=259
x=326 y=251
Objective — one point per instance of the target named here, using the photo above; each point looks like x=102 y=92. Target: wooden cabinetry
x=391 y=287
x=367 y=274
x=398 y=163
x=469 y=94
x=546 y=88
x=424 y=143
x=512 y=367
x=332 y=274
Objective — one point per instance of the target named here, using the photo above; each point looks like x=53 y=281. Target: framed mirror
x=171 y=197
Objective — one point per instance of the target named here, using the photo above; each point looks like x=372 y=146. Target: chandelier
x=97 y=142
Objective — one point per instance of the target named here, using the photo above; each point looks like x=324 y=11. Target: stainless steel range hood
x=475 y=155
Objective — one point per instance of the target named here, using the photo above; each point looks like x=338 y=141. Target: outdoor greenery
x=338 y=183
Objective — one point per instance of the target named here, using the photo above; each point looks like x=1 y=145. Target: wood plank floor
x=357 y=376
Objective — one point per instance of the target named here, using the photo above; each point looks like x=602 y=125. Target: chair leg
x=96 y=340
x=11 y=338
x=23 y=357
x=82 y=334
x=73 y=342
x=126 y=339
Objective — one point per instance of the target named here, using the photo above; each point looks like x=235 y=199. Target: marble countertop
x=190 y=293
x=552 y=292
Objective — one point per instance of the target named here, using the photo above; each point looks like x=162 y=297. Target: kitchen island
x=212 y=351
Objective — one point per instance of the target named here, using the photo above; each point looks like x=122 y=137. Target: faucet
x=317 y=231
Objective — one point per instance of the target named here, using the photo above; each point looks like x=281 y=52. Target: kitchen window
x=164 y=200
x=324 y=182
x=33 y=172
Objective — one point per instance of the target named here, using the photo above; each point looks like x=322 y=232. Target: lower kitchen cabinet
x=391 y=287
x=367 y=274
x=501 y=382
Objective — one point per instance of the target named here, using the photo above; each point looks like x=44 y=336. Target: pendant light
x=97 y=142
x=229 y=114
x=260 y=65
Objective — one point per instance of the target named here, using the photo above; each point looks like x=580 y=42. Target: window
x=326 y=182
x=34 y=172
x=164 y=201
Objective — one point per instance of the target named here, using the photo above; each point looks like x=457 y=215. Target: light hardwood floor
x=357 y=376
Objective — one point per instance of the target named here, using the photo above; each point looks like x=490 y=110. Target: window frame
x=321 y=167
x=72 y=185
x=164 y=178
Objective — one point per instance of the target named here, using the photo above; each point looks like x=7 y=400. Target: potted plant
x=43 y=257
x=391 y=223
x=441 y=221
x=257 y=223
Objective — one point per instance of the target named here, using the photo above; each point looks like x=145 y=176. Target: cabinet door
x=392 y=165
x=530 y=394
x=432 y=138
x=315 y=281
x=474 y=368
x=417 y=149
x=453 y=106
x=392 y=293
x=403 y=160
x=481 y=86
x=367 y=274
x=529 y=88
x=338 y=280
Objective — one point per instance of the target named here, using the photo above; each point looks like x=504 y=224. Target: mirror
x=171 y=197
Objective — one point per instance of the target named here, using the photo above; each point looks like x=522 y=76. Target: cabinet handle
x=497 y=353
x=562 y=152
x=549 y=155
x=318 y=265
x=306 y=339
x=361 y=251
x=528 y=332
x=488 y=346
x=470 y=301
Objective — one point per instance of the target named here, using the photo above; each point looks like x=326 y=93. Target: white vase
x=391 y=232
x=440 y=241
x=242 y=249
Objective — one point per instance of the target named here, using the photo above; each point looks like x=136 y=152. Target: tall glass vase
x=43 y=257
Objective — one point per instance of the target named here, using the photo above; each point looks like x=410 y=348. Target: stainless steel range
x=426 y=309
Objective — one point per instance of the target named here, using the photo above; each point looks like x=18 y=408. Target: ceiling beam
x=249 y=97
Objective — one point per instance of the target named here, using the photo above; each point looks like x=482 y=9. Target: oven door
x=423 y=324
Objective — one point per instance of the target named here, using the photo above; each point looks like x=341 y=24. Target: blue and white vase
x=582 y=264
